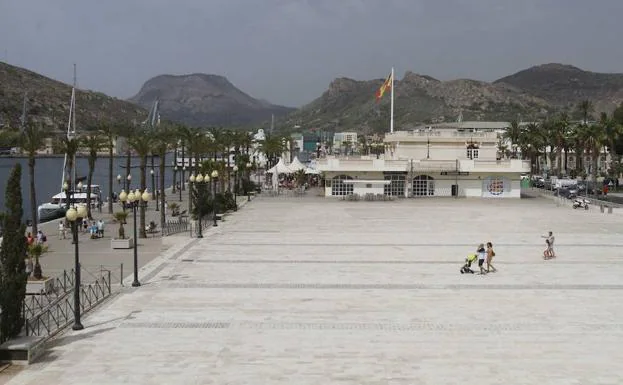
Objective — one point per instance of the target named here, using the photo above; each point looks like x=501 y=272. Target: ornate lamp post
x=119 y=179
x=129 y=178
x=215 y=205
x=69 y=196
x=182 y=182
x=235 y=187
x=73 y=215
x=197 y=181
x=191 y=182
x=174 y=179
x=248 y=184
x=133 y=200
x=153 y=179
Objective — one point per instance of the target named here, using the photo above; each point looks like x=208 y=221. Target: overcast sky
x=288 y=51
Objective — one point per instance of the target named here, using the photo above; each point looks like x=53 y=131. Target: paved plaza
x=317 y=291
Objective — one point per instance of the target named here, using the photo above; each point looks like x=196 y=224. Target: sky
x=288 y=51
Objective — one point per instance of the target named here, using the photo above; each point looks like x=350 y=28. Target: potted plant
x=38 y=283
x=122 y=242
x=175 y=209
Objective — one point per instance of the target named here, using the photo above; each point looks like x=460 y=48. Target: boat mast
x=71 y=132
x=74 y=126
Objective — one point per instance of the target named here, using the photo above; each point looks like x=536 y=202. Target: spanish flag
x=387 y=85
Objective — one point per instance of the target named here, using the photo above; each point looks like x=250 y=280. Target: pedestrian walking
x=490 y=255
x=29 y=267
x=62 y=234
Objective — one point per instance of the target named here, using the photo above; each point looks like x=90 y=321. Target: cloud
x=287 y=51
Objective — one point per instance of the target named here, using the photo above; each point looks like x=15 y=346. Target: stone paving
x=315 y=291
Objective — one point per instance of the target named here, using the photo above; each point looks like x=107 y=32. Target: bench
x=219 y=216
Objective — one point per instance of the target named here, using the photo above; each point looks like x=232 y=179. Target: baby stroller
x=466 y=269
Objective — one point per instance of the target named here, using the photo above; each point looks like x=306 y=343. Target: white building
x=440 y=160
x=339 y=138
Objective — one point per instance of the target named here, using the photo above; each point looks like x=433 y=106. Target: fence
x=60 y=313
x=175 y=227
x=206 y=222
x=34 y=304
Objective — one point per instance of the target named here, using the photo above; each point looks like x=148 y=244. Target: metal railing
x=206 y=222
x=60 y=313
x=175 y=227
x=36 y=303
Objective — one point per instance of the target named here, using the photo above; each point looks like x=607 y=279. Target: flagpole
x=391 y=112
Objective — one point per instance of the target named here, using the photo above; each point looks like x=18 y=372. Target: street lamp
x=182 y=182
x=129 y=178
x=134 y=199
x=214 y=206
x=119 y=179
x=191 y=181
x=235 y=187
x=72 y=216
x=153 y=180
x=198 y=181
x=174 y=179
x=248 y=191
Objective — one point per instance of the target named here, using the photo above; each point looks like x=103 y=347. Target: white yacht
x=56 y=207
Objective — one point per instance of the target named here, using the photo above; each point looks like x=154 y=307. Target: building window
x=396 y=187
x=338 y=187
x=423 y=185
x=472 y=151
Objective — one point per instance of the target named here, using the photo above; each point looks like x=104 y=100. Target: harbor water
x=48 y=176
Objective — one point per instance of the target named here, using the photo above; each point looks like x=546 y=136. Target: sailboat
x=56 y=207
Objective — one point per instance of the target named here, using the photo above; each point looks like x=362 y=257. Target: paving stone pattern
x=332 y=292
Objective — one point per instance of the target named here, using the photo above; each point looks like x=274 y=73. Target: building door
x=423 y=185
x=396 y=187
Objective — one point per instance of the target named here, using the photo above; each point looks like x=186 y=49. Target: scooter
x=581 y=203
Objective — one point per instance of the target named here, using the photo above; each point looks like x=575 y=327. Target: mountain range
x=347 y=104
x=529 y=94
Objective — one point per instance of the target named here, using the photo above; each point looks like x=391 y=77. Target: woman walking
x=490 y=255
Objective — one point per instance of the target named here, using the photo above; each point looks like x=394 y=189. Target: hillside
x=565 y=86
x=205 y=100
x=48 y=101
x=533 y=93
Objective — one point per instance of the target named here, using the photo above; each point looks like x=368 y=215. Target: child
x=468 y=264
x=482 y=254
x=490 y=255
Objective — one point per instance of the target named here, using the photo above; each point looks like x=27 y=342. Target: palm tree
x=593 y=137
x=561 y=133
x=612 y=132
x=586 y=108
x=141 y=141
x=273 y=147
x=532 y=142
x=94 y=142
x=31 y=141
x=164 y=136
x=110 y=132
x=69 y=145
x=513 y=134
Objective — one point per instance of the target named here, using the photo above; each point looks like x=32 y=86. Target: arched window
x=338 y=187
x=472 y=151
x=423 y=185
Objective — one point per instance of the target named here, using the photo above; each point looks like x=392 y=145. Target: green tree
x=12 y=267
x=69 y=145
x=94 y=142
x=142 y=141
x=31 y=141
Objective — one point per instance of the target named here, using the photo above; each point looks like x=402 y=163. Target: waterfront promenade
x=96 y=254
x=316 y=291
